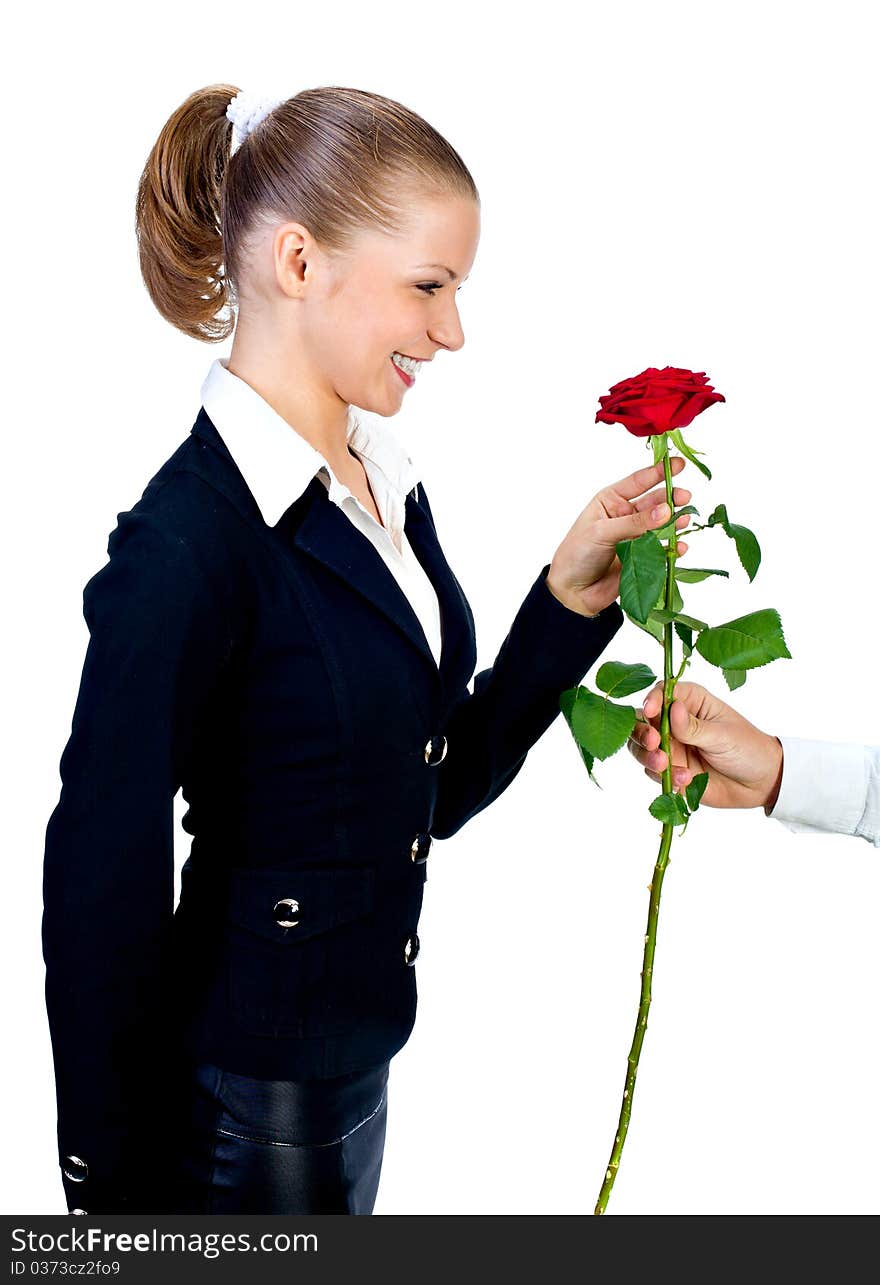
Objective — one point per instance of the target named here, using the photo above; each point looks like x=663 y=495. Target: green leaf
x=618 y=679
x=689 y=451
x=661 y=613
x=694 y=790
x=665 y=531
x=692 y=575
x=652 y=627
x=745 y=643
x=734 y=677
x=692 y=622
x=671 y=809
x=599 y=725
x=659 y=445
x=588 y=763
x=677 y=600
x=686 y=636
x=566 y=702
x=747 y=547
x=656 y=631
x=642 y=575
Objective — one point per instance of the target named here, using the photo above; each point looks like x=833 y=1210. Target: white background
x=681 y=184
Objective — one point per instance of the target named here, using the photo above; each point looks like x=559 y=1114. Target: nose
x=446 y=328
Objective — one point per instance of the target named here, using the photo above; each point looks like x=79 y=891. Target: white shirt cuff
x=824 y=786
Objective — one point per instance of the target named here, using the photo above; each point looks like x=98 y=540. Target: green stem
x=656 y=884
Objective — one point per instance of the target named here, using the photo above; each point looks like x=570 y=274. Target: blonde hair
x=336 y=160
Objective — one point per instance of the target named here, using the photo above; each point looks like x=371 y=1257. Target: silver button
x=79 y=1211
x=75 y=1169
x=411 y=949
x=431 y=756
x=421 y=846
x=286 y=906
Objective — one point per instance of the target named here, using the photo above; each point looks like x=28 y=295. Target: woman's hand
x=585 y=570
x=705 y=735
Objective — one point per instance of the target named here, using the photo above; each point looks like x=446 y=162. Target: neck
x=321 y=419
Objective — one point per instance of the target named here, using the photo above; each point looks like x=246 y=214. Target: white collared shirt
x=829 y=787
x=277 y=464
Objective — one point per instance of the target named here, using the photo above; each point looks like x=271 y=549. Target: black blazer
x=280 y=677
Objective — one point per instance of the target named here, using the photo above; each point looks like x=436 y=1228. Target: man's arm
x=828 y=787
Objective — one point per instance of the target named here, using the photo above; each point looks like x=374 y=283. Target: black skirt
x=249 y=1146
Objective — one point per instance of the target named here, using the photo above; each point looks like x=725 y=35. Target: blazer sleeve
x=548 y=648
x=156 y=649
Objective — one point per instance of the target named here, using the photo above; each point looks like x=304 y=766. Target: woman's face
x=387 y=294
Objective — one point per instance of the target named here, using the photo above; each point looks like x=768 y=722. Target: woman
x=278 y=633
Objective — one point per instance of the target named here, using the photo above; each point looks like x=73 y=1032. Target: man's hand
x=744 y=763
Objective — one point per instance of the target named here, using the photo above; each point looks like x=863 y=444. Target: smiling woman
x=278 y=634
x=322 y=273
x=321 y=330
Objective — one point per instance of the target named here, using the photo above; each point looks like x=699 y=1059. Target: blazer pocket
x=283 y=927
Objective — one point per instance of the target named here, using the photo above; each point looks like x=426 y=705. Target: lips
x=403 y=375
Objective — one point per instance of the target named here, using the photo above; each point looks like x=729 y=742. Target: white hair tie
x=246 y=111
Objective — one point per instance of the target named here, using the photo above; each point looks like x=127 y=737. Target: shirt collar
x=276 y=461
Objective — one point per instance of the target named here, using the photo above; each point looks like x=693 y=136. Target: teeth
x=408 y=364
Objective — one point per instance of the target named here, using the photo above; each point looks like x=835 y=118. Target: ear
x=289 y=251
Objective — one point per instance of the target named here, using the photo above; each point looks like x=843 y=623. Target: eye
x=430 y=287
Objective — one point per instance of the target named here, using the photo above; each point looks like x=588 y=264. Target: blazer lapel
x=458 y=656
x=326 y=534
x=319 y=529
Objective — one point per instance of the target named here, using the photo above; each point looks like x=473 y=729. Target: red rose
x=657 y=401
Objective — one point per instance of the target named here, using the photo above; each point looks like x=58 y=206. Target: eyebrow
x=443 y=268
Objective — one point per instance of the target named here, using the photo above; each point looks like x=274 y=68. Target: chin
x=382 y=407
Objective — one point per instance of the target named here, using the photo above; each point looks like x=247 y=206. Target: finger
x=647 y=757
x=676 y=783
x=679 y=495
x=612 y=530
x=636 y=483
x=615 y=506
x=644 y=745
x=653 y=702
x=643 y=738
x=655 y=759
x=690 y=694
x=655 y=765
